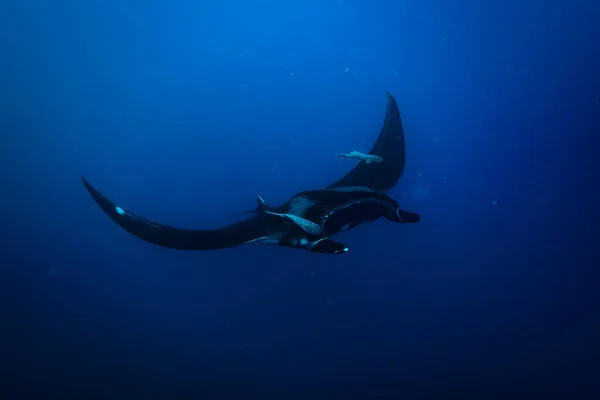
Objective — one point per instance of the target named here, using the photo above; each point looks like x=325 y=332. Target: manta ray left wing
x=389 y=146
x=182 y=239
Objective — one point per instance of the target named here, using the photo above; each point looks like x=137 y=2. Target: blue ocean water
x=183 y=111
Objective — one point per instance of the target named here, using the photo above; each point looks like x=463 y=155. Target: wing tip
x=105 y=204
x=390 y=97
x=85 y=182
x=91 y=189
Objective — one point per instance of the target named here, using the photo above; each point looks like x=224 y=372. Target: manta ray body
x=309 y=219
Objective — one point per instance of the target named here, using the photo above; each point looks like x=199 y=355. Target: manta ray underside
x=308 y=220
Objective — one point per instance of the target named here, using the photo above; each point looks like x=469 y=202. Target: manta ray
x=308 y=220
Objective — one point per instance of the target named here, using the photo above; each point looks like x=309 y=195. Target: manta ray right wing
x=383 y=175
x=246 y=231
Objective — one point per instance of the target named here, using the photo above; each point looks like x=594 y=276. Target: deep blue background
x=183 y=111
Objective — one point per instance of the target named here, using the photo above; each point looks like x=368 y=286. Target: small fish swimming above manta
x=308 y=220
x=368 y=158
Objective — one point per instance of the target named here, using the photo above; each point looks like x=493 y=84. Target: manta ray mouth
x=324 y=245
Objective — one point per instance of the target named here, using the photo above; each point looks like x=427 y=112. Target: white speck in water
x=495 y=202
x=52 y=272
x=291 y=74
x=347 y=69
x=420 y=175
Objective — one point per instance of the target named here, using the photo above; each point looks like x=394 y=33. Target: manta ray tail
x=341 y=155
x=260 y=207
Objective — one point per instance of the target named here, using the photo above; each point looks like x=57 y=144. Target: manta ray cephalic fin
x=260 y=207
